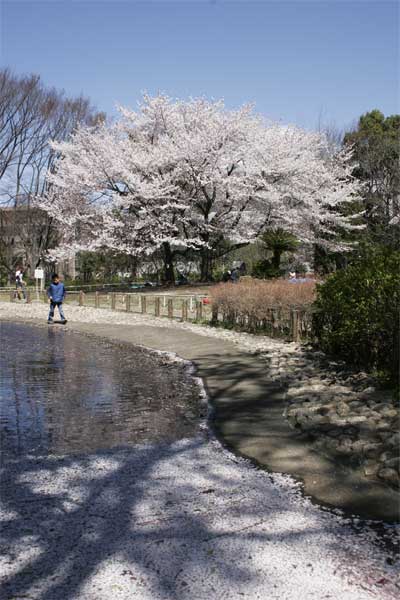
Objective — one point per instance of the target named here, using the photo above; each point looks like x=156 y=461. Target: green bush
x=357 y=312
x=265 y=270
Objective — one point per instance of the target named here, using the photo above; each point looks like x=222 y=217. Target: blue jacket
x=56 y=292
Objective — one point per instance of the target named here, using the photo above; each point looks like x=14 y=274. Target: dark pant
x=60 y=310
x=20 y=287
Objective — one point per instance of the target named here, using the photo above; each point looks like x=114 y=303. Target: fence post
x=128 y=302
x=96 y=300
x=157 y=307
x=144 y=305
x=268 y=321
x=113 y=300
x=275 y=320
x=199 y=310
x=184 y=310
x=214 y=313
x=12 y=295
x=170 y=308
x=294 y=318
x=81 y=298
x=28 y=297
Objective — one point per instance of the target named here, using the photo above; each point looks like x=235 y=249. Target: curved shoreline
x=247 y=417
x=71 y=393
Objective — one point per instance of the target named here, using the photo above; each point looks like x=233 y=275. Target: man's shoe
x=50 y=322
x=63 y=322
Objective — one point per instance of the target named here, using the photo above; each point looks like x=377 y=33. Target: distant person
x=182 y=279
x=235 y=276
x=56 y=295
x=19 y=282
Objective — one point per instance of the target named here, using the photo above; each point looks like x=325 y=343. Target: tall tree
x=376 y=143
x=31 y=115
x=182 y=176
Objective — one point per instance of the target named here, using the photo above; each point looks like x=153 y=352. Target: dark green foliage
x=279 y=241
x=104 y=266
x=357 y=312
x=376 y=143
x=326 y=261
x=264 y=269
x=276 y=242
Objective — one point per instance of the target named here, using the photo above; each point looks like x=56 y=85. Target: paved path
x=187 y=520
x=248 y=417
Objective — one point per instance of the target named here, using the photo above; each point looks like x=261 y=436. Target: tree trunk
x=169 y=274
x=276 y=259
x=206 y=265
x=133 y=267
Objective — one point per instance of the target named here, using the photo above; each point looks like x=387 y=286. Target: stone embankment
x=345 y=416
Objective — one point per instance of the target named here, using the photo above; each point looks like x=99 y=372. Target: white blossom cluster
x=192 y=174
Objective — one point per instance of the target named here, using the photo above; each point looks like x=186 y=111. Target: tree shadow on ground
x=248 y=417
x=159 y=517
x=68 y=517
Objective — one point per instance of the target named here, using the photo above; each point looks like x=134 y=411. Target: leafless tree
x=334 y=134
x=31 y=115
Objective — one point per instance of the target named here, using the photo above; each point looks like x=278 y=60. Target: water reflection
x=62 y=392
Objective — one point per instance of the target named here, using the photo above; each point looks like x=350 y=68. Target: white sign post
x=39 y=276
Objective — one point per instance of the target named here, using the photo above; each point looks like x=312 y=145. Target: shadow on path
x=248 y=418
x=140 y=517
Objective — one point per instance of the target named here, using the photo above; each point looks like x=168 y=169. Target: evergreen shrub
x=264 y=269
x=357 y=312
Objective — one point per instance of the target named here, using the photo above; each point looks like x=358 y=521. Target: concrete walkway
x=188 y=520
x=248 y=417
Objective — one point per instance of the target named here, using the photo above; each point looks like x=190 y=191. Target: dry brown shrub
x=256 y=298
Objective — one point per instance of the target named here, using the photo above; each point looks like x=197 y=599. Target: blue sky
x=297 y=61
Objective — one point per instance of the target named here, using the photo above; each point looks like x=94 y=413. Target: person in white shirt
x=19 y=282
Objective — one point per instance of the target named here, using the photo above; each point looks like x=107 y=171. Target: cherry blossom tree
x=180 y=176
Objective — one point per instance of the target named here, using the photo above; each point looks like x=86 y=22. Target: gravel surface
x=186 y=520
x=9 y=310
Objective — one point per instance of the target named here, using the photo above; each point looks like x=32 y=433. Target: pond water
x=62 y=392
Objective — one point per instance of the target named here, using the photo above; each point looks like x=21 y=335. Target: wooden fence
x=293 y=324
x=290 y=323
